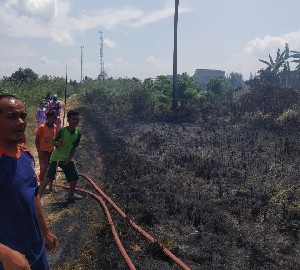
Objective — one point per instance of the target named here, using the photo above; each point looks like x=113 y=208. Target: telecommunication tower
x=102 y=72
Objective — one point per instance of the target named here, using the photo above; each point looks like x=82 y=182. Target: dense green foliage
x=151 y=99
x=23 y=76
x=218 y=86
x=235 y=80
x=31 y=88
x=144 y=99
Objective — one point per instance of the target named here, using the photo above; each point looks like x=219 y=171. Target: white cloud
x=157 y=67
x=293 y=39
x=51 y=19
x=37 y=19
x=64 y=37
x=109 y=43
x=151 y=66
x=269 y=44
x=158 y=15
x=264 y=46
x=45 y=60
x=129 y=16
x=42 y=9
x=108 y=18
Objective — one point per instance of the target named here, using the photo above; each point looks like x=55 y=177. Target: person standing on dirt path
x=56 y=106
x=66 y=141
x=44 y=137
x=40 y=115
x=24 y=234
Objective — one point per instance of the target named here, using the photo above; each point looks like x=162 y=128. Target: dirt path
x=82 y=230
x=75 y=224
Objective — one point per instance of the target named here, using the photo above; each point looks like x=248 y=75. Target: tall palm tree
x=174 y=101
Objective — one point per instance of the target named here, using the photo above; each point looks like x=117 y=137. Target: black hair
x=7 y=96
x=51 y=113
x=4 y=95
x=72 y=112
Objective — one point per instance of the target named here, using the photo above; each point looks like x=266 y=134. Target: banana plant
x=280 y=64
x=296 y=56
x=274 y=66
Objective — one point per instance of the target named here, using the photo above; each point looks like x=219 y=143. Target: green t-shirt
x=70 y=140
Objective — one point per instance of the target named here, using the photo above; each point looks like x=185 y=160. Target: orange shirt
x=46 y=137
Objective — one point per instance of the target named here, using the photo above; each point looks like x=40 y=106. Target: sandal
x=74 y=197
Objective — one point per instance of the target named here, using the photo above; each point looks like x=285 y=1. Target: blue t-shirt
x=19 y=228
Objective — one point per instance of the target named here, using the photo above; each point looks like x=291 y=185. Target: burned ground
x=221 y=194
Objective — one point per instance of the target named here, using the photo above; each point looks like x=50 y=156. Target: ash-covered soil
x=220 y=194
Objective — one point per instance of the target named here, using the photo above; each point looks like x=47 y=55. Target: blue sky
x=46 y=35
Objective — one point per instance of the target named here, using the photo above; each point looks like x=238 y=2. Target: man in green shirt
x=66 y=141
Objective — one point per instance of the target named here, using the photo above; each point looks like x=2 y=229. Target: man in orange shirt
x=45 y=134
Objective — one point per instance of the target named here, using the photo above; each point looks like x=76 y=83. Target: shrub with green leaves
x=289 y=117
x=269 y=99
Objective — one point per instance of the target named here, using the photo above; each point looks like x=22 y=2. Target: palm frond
x=286 y=51
x=296 y=55
x=271 y=60
x=278 y=56
x=282 y=55
x=265 y=62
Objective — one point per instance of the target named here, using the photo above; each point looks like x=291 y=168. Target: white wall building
x=202 y=76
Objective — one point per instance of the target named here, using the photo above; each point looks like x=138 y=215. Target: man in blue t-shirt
x=24 y=234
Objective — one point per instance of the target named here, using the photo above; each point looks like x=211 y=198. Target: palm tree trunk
x=174 y=101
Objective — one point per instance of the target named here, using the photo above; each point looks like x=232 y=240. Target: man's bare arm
x=13 y=260
x=49 y=238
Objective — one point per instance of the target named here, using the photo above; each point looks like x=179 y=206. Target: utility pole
x=81 y=78
x=174 y=100
x=102 y=72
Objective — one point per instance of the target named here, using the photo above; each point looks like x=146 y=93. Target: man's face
x=12 y=120
x=73 y=121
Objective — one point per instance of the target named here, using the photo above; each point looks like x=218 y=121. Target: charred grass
x=220 y=193
x=224 y=193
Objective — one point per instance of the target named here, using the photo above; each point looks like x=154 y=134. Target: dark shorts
x=41 y=263
x=69 y=170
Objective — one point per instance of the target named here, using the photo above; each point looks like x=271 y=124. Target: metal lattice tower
x=102 y=72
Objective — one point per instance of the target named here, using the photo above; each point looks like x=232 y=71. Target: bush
x=260 y=119
x=289 y=117
x=140 y=102
x=269 y=99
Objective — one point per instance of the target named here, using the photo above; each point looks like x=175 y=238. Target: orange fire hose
x=113 y=229
x=138 y=228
